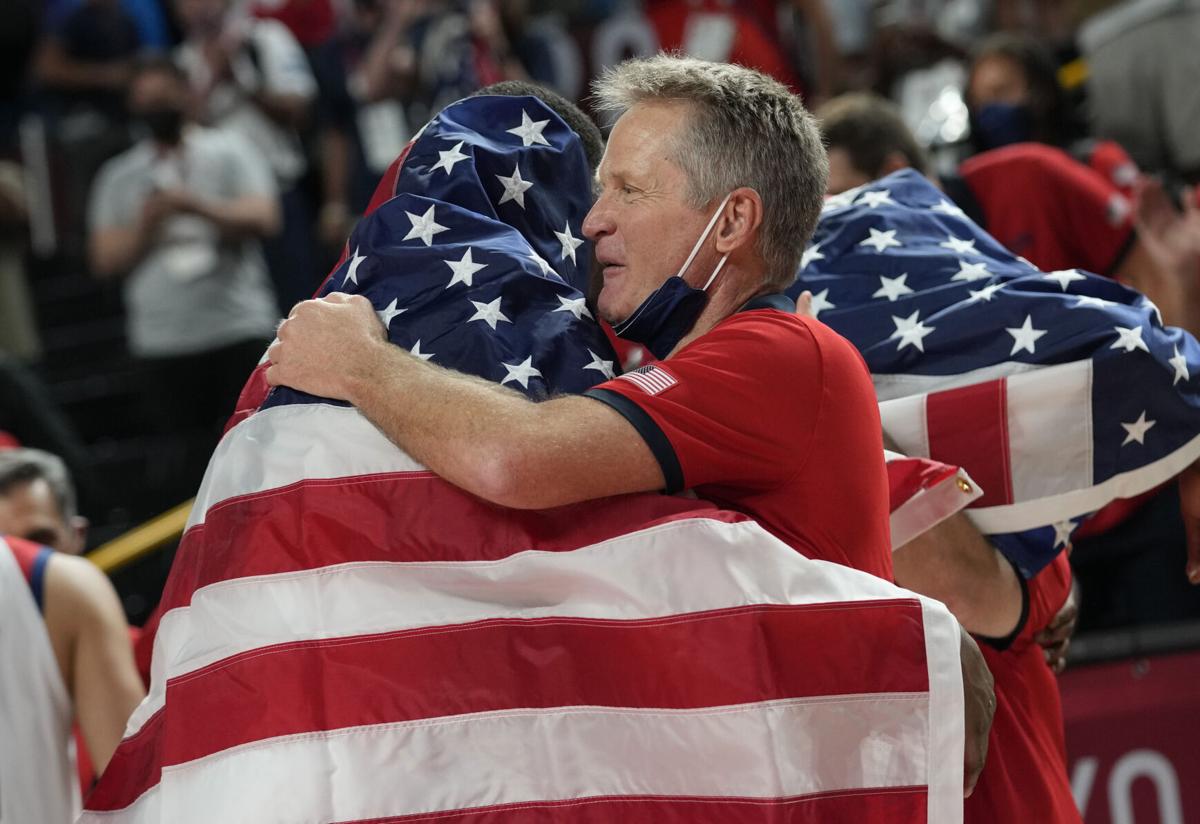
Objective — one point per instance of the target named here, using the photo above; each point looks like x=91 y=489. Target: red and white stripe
x=1023 y=433
x=349 y=638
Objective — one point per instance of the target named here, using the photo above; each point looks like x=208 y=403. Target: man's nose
x=598 y=221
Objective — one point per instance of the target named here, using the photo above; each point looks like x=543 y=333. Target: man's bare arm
x=91 y=639
x=957 y=565
x=480 y=436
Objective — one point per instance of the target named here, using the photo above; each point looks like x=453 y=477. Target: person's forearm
x=463 y=428
x=958 y=566
x=289 y=110
x=114 y=252
x=242 y=217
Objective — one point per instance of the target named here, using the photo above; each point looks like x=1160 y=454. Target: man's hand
x=1189 y=506
x=1056 y=637
x=979 y=698
x=326 y=346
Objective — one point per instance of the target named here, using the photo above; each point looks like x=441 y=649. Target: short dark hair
x=24 y=466
x=572 y=115
x=869 y=129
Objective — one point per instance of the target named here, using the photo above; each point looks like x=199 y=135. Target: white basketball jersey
x=38 y=781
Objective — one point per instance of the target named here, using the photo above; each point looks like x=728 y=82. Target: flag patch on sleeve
x=651 y=379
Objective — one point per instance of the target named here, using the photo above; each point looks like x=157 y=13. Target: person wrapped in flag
x=1058 y=391
x=348 y=637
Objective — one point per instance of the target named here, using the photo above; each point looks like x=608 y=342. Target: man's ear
x=738 y=225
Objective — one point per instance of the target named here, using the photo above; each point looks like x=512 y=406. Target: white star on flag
x=971 y=271
x=1137 y=430
x=821 y=302
x=1088 y=300
x=810 y=254
x=520 y=372
x=446 y=160
x=986 y=292
x=417 y=353
x=577 y=306
x=530 y=130
x=911 y=331
x=959 y=246
x=1025 y=336
x=388 y=314
x=1129 y=339
x=464 y=270
x=569 y=242
x=1180 y=364
x=840 y=200
x=424 y=226
x=489 y=313
x=352 y=273
x=877 y=198
x=514 y=188
x=1062 y=532
x=881 y=240
x=892 y=288
x=546 y=268
x=1064 y=277
x=604 y=367
x=948 y=208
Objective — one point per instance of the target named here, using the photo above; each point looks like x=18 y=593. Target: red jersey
x=774 y=416
x=1045 y=206
x=1025 y=777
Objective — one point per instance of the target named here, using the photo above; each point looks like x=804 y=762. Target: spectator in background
x=84 y=64
x=18 y=327
x=251 y=77
x=181 y=217
x=37 y=501
x=1013 y=96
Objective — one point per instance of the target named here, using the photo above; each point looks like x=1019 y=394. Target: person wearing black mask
x=181 y=217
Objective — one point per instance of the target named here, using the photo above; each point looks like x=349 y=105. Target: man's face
x=201 y=17
x=843 y=174
x=641 y=222
x=30 y=511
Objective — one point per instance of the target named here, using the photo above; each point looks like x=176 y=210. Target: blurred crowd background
x=291 y=110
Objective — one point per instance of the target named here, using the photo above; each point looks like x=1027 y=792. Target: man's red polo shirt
x=774 y=416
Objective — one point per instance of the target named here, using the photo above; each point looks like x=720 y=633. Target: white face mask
x=670 y=311
x=703 y=237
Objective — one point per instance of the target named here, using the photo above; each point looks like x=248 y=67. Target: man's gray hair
x=24 y=466
x=743 y=129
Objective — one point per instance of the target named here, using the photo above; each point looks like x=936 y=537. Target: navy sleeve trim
x=1004 y=643
x=651 y=433
x=37 y=576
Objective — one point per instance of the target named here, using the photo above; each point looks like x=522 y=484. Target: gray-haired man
x=709 y=189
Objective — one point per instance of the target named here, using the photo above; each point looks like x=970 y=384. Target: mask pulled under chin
x=670 y=311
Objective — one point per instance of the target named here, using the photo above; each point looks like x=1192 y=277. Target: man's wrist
x=380 y=363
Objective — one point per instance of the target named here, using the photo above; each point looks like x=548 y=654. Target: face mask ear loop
x=713 y=276
x=703 y=237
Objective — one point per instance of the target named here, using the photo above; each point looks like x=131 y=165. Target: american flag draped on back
x=347 y=638
x=1059 y=392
